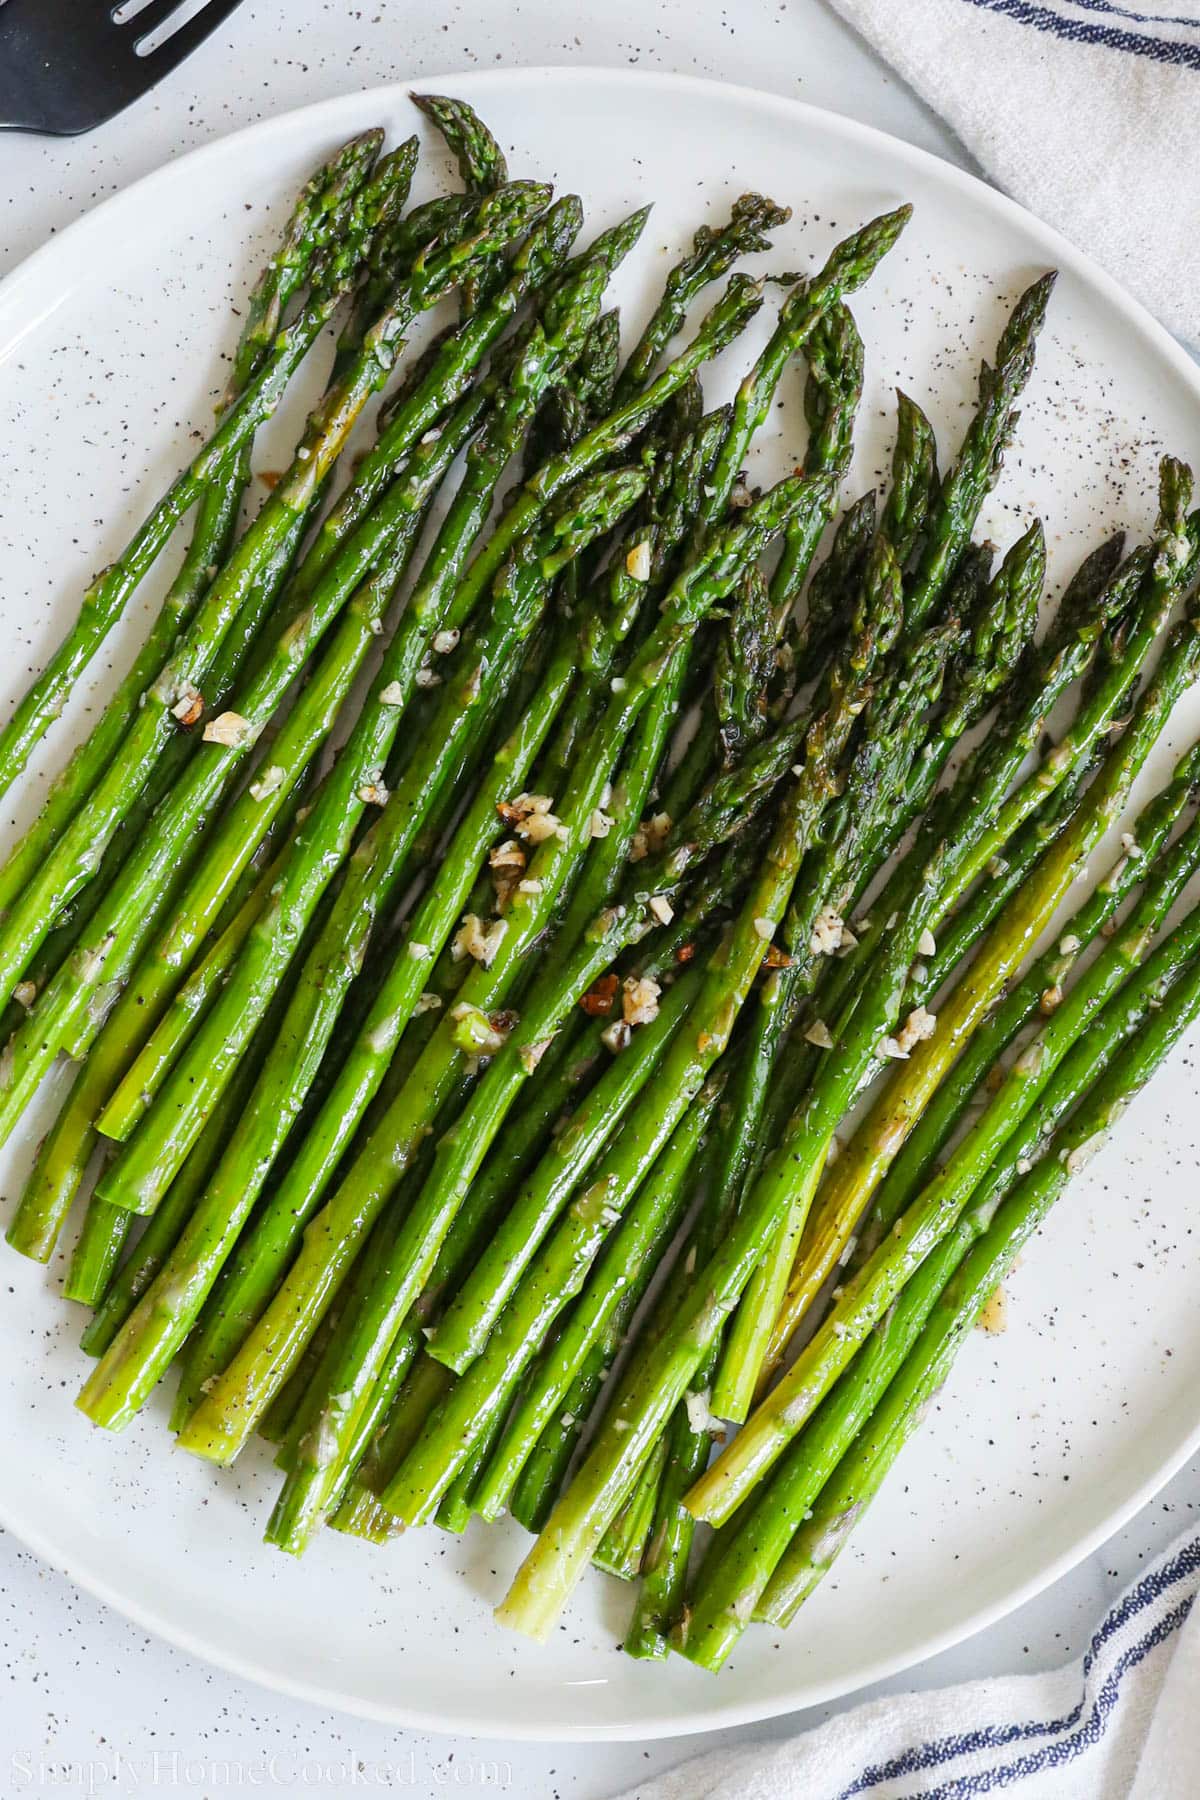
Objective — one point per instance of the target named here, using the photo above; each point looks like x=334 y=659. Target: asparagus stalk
x=1040 y=989
x=713 y=254
x=581 y=1516
x=481 y=162
x=623 y=1546
x=426 y=613
x=850 y=264
x=463 y=1331
x=546 y=1464
x=901 y=1104
x=318 y=213
x=75 y=857
x=913 y=494
x=221 y=1424
x=333 y=275
x=376 y=730
x=491 y=662
x=1009 y=612
x=733 y=969
x=730 y=1585
x=247 y=1284
x=564 y=1270
x=68 y=1007
x=941 y=1203
x=153 y=1334
x=996 y=1234
x=162 y=1232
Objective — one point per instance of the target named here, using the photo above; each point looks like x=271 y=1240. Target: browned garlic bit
x=531 y=817
x=597 y=1003
x=650 y=835
x=637 y=563
x=615 y=1037
x=189 y=703
x=484 y=1035
x=474 y=938
x=639 y=1000
x=228 y=728
x=268 y=783
x=829 y=929
x=919 y=1025
x=532 y=1054
x=507 y=863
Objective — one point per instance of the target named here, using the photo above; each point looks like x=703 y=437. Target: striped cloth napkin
x=1088 y=111
x=1121 y=1724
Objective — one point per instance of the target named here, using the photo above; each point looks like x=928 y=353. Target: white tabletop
x=90 y=1704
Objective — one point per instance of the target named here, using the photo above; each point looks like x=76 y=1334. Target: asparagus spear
x=67 y=1010
x=546 y=1464
x=998 y=1224
x=1009 y=612
x=1039 y=989
x=644 y=1233
x=464 y=1329
x=442 y=380
x=155 y=1244
x=732 y=971
x=939 y=1206
x=488 y=665
x=902 y=1103
x=333 y=275
x=602 y=1352
x=249 y=1281
x=222 y=1422
x=318 y=213
x=378 y=866
x=624 y=1543
x=650 y=1226
x=579 y=1520
x=481 y=162
x=850 y=264
x=563 y=1270
x=74 y=859
x=151 y=1337
x=1099 y=592
x=435 y=381
x=260 y=1260
x=375 y=730
x=713 y=254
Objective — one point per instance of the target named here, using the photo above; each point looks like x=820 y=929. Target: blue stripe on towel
x=1084 y=1730
x=1078 y=31
x=1136 y=18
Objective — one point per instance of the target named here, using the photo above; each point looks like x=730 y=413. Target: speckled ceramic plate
x=1047 y=1437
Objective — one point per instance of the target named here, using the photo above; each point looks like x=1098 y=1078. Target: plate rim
x=69 y=245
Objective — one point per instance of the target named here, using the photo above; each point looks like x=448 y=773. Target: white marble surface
x=90 y=1705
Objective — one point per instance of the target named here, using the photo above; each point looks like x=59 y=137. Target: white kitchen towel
x=1087 y=111
x=1123 y=1723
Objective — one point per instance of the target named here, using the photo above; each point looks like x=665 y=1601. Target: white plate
x=1049 y=1436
